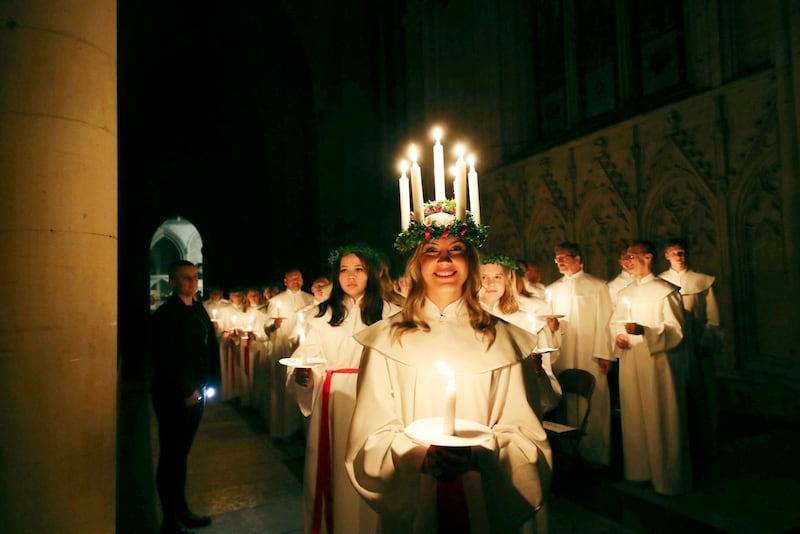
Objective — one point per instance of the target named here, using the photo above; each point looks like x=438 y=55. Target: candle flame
x=403 y=166
x=443 y=368
x=437 y=134
x=412 y=153
x=471 y=161
x=626 y=301
x=460 y=151
x=548 y=296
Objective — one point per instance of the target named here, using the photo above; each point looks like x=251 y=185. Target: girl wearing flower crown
x=327 y=392
x=495 y=485
x=498 y=296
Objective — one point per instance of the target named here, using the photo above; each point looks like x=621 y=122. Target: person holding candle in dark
x=327 y=392
x=185 y=361
x=492 y=479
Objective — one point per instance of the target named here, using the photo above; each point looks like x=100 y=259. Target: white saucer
x=544 y=350
x=429 y=431
x=552 y=315
x=299 y=363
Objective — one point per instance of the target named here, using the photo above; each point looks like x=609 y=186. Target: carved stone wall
x=708 y=169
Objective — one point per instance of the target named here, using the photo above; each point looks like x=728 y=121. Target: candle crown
x=440 y=221
x=500 y=259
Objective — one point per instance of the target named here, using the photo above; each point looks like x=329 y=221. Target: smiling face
x=444 y=265
x=493 y=281
x=353 y=276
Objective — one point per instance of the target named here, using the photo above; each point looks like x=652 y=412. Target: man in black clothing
x=185 y=362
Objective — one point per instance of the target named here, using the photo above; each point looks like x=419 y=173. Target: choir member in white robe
x=585 y=344
x=215 y=301
x=231 y=323
x=701 y=339
x=648 y=336
x=252 y=338
x=327 y=392
x=498 y=297
x=496 y=486
x=284 y=419
x=623 y=279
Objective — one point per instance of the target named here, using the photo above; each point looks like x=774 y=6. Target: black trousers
x=177 y=426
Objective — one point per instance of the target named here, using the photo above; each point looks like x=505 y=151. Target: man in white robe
x=623 y=279
x=584 y=302
x=701 y=335
x=285 y=418
x=648 y=336
x=533 y=278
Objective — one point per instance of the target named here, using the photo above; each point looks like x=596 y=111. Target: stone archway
x=175 y=239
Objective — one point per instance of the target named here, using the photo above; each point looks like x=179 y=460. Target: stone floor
x=249 y=483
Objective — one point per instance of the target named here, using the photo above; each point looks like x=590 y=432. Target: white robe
x=526 y=319
x=701 y=335
x=623 y=279
x=399 y=383
x=342 y=354
x=284 y=417
x=650 y=382
x=584 y=301
x=230 y=318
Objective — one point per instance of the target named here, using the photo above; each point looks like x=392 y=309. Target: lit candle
x=532 y=320
x=460 y=185
x=277 y=309
x=548 y=297
x=474 y=197
x=214 y=314
x=405 y=200
x=252 y=320
x=449 y=418
x=438 y=165
x=233 y=322
x=627 y=304
x=416 y=186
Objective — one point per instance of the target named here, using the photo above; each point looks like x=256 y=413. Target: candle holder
x=428 y=431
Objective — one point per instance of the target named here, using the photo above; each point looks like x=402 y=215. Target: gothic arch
x=603 y=226
x=546 y=228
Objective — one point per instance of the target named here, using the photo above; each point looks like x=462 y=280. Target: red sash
x=322 y=490
x=231 y=361
x=451 y=507
x=247 y=357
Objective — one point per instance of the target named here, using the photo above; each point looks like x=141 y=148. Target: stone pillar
x=58 y=244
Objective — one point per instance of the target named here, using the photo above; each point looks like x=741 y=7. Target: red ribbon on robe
x=322 y=489
x=451 y=507
x=231 y=362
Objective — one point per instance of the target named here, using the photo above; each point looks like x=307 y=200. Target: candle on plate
x=627 y=304
x=474 y=197
x=416 y=186
x=449 y=417
x=438 y=165
x=460 y=185
x=405 y=199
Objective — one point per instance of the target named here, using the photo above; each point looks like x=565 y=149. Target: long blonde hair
x=481 y=321
x=509 y=303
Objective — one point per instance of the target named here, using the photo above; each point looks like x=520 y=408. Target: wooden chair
x=577 y=386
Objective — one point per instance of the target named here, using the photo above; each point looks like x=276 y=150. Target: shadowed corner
x=136 y=496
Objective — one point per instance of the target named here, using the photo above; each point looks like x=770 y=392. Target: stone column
x=58 y=244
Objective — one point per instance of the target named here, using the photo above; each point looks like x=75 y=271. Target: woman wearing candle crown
x=327 y=393
x=497 y=486
x=498 y=296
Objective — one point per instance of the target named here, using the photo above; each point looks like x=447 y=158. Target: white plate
x=544 y=350
x=429 y=431
x=299 y=363
x=546 y=317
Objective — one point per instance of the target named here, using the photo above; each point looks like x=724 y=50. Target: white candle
x=548 y=297
x=438 y=166
x=233 y=322
x=449 y=417
x=416 y=186
x=214 y=313
x=474 y=197
x=532 y=320
x=627 y=304
x=277 y=309
x=460 y=185
x=405 y=200
x=252 y=320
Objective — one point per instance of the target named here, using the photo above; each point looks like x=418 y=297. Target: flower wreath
x=507 y=263
x=367 y=253
x=440 y=222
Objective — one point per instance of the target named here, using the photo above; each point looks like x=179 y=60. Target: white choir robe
x=584 y=301
x=548 y=398
x=284 y=417
x=701 y=340
x=230 y=354
x=623 y=279
x=399 y=383
x=343 y=355
x=654 y=439
x=251 y=349
x=216 y=309
x=537 y=289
